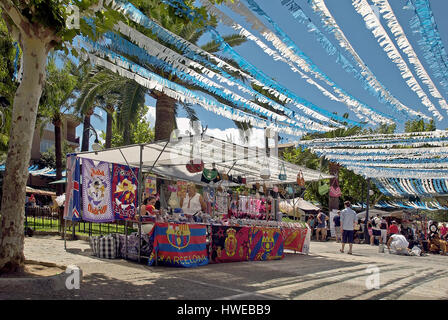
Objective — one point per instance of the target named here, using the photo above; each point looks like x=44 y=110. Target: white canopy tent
x=169 y=159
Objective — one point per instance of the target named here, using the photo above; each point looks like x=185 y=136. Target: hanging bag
x=323 y=187
x=265 y=173
x=195 y=166
x=300 y=179
x=282 y=175
x=335 y=190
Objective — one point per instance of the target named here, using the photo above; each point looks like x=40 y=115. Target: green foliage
x=8 y=86
x=48 y=158
x=140 y=131
x=352 y=185
x=419 y=125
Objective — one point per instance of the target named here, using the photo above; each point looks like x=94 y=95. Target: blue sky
x=361 y=39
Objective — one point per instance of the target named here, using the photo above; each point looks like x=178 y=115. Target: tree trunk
x=165 y=119
x=23 y=122
x=110 y=110
x=86 y=132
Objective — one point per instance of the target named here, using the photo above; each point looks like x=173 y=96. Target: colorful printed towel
x=229 y=244
x=294 y=238
x=96 y=192
x=265 y=244
x=179 y=245
x=72 y=208
x=124 y=191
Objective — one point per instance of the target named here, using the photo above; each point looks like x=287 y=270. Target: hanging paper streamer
x=360 y=109
x=229 y=244
x=150 y=185
x=371 y=83
x=72 y=207
x=124 y=191
x=304 y=62
x=265 y=244
x=176 y=91
x=169 y=61
x=411 y=187
x=96 y=192
x=195 y=53
x=404 y=44
x=179 y=245
x=191 y=76
x=374 y=25
x=423 y=23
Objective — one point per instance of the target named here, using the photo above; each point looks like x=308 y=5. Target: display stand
x=134 y=155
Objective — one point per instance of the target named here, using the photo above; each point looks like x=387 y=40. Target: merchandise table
x=196 y=244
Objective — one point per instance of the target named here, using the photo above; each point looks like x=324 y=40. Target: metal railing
x=49 y=220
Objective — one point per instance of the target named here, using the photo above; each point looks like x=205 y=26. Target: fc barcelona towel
x=265 y=244
x=179 y=245
x=96 y=192
x=124 y=189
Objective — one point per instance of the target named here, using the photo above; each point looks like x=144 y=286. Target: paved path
x=323 y=274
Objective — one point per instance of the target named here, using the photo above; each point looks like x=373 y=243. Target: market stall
x=200 y=219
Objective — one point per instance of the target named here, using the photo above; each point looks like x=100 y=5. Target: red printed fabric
x=179 y=245
x=294 y=238
x=124 y=191
x=265 y=244
x=229 y=244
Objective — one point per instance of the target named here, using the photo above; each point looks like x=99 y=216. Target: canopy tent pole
x=139 y=202
x=366 y=231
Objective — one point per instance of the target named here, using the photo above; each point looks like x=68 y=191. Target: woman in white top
x=193 y=201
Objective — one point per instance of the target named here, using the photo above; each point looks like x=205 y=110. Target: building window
x=45 y=145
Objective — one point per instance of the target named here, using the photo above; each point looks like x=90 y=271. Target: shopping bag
x=335 y=190
x=323 y=188
x=282 y=175
x=300 y=179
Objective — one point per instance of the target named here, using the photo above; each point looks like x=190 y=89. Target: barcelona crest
x=230 y=243
x=267 y=242
x=178 y=235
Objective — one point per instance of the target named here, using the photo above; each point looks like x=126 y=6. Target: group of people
x=399 y=239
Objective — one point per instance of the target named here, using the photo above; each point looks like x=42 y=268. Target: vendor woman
x=192 y=202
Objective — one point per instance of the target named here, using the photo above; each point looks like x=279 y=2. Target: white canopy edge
x=168 y=158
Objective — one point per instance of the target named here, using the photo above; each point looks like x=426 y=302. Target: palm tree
x=107 y=90
x=55 y=103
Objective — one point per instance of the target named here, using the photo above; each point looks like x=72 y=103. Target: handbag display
x=194 y=166
x=323 y=187
x=300 y=179
x=335 y=190
x=282 y=175
x=289 y=189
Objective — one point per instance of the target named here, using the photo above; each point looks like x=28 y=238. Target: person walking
x=348 y=219
x=321 y=226
x=337 y=226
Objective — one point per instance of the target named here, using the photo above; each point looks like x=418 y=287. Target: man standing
x=348 y=219
x=337 y=226
x=383 y=228
x=321 y=226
